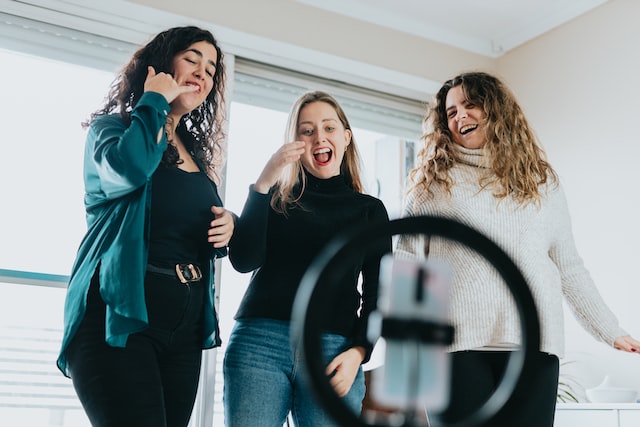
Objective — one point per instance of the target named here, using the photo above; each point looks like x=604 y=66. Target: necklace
x=169 y=129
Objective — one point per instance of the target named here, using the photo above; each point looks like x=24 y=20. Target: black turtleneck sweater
x=279 y=249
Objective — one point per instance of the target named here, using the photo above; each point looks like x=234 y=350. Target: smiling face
x=464 y=119
x=325 y=137
x=194 y=66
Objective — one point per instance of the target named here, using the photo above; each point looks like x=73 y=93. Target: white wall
x=579 y=87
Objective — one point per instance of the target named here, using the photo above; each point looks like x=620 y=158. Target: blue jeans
x=264 y=381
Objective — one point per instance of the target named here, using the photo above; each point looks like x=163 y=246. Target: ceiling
x=486 y=27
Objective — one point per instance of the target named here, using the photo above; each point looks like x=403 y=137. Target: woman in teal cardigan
x=140 y=303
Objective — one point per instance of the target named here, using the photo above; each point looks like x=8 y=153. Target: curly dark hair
x=201 y=130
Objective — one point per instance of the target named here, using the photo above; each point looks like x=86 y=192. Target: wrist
x=361 y=352
x=261 y=188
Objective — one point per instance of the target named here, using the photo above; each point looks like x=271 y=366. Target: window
x=43 y=222
x=44 y=101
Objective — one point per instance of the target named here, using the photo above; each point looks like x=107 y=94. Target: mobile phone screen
x=414 y=373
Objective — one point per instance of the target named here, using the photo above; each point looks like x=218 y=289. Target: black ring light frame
x=340 y=253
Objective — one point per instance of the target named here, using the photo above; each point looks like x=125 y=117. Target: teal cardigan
x=119 y=162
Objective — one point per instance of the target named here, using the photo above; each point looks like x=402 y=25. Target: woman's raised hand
x=287 y=154
x=165 y=85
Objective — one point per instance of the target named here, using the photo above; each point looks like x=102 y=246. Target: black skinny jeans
x=153 y=381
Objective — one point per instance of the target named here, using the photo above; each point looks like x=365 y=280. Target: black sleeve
x=220 y=252
x=248 y=244
x=370 y=278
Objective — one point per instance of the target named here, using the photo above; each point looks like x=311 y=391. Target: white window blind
x=63 y=44
x=277 y=88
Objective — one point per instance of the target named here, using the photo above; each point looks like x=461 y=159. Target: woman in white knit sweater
x=481 y=165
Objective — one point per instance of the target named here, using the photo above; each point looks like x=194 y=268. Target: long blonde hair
x=516 y=159
x=285 y=194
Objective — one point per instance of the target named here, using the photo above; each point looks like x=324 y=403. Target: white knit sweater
x=539 y=240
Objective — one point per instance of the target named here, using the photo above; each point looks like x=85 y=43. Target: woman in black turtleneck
x=308 y=193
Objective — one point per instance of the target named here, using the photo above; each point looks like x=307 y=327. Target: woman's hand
x=165 y=85
x=221 y=228
x=627 y=343
x=287 y=154
x=344 y=368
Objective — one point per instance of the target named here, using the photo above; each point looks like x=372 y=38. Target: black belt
x=186 y=273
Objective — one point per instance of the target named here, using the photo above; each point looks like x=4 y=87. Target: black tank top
x=180 y=216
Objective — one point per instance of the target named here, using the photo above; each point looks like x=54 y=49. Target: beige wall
x=578 y=85
x=329 y=37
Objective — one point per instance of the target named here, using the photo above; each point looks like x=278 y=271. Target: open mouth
x=323 y=156
x=468 y=128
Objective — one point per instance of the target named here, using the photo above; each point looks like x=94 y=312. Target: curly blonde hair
x=515 y=158
x=291 y=184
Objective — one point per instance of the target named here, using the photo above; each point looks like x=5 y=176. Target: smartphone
x=414 y=374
